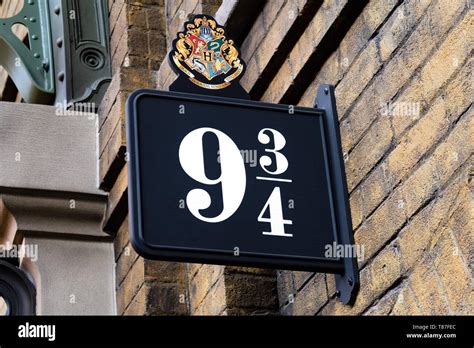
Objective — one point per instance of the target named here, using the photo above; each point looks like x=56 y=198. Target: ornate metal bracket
x=69 y=57
x=29 y=68
x=80 y=31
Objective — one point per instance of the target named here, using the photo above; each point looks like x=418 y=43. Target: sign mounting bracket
x=347 y=283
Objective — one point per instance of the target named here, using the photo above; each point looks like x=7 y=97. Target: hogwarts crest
x=205 y=55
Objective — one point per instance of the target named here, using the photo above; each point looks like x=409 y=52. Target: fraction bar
x=273 y=179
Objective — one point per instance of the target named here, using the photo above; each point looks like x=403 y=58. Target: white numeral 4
x=277 y=223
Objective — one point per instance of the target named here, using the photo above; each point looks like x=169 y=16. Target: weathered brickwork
x=402 y=71
x=140 y=34
x=408 y=169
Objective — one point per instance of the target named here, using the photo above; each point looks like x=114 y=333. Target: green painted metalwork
x=80 y=33
x=68 y=61
x=30 y=68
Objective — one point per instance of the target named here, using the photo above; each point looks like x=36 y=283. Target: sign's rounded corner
x=134 y=96
x=131 y=104
x=140 y=245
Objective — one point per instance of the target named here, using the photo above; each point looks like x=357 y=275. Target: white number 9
x=232 y=178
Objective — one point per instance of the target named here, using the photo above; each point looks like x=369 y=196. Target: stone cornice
x=40 y=211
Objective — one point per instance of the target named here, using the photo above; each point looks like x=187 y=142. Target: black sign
x=227 y=181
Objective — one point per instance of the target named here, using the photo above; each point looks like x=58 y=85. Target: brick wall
x=408 y=172
x=138 y=46
x=402 y=71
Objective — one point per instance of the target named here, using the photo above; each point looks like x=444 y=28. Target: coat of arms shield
x=204 y=54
